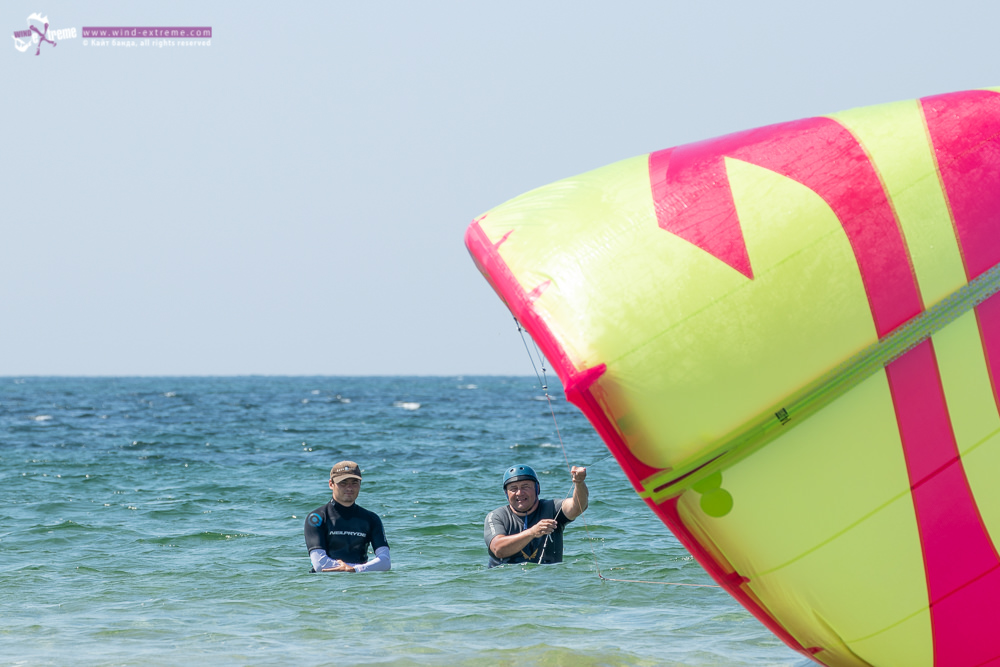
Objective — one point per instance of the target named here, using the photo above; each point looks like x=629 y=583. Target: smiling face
x=522 y=496
x=346 y=490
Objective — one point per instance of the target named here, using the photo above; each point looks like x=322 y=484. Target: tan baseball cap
x=345 y=470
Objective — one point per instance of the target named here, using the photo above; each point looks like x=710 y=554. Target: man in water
x=529 y=529
x=338 y=533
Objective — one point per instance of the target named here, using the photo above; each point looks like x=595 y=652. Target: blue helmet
x=519 y=472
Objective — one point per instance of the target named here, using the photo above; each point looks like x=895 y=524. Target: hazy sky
x=292 y=198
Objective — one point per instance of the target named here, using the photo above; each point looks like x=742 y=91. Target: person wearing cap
x=529 y=529
x=339 y=533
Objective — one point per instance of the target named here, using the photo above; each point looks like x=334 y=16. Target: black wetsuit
x=503 y=521
x=344 y=532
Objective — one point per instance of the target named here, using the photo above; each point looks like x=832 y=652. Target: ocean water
x=159 y=521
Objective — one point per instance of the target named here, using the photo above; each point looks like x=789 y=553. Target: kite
x=789 y=338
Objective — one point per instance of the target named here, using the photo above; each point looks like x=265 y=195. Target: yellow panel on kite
x=789 y=338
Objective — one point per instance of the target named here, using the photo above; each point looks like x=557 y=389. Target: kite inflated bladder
x=789 y=338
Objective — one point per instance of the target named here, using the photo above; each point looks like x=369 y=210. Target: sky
x=291 y=198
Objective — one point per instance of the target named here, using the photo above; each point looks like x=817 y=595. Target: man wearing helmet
x=529 y=529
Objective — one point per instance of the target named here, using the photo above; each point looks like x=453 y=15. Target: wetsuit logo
x=315 y=520
x=352 y=533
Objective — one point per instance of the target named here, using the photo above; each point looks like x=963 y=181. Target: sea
x=159 y=521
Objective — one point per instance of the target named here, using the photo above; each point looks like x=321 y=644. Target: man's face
x=521 y=495
x=346 y=490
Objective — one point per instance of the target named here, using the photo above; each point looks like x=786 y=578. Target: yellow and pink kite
x=789 y=338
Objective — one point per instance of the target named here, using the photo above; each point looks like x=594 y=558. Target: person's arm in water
x=504 y=546
x=323 y=563
x=574 y=507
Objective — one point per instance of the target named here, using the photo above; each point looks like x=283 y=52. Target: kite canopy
x=789 y=339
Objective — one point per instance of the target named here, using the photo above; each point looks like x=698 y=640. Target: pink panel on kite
x=965 y=131
x=692 y=198
x=961 y=565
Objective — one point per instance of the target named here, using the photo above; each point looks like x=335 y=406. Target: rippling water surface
x=158 y=521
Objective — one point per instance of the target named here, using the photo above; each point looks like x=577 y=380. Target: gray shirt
x=545 y=549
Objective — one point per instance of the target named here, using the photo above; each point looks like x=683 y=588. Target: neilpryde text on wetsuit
x=345 y=533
